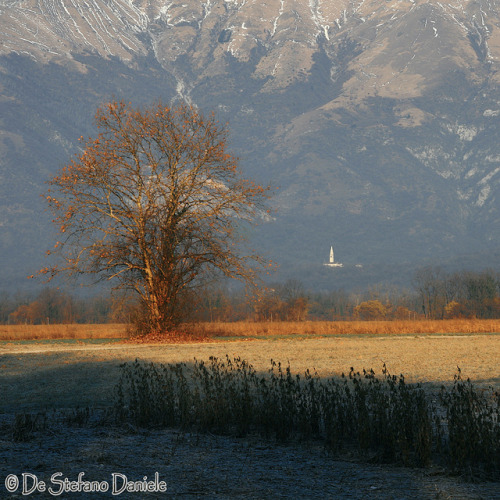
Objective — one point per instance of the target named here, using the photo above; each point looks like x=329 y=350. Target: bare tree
x=429 y=283
x=154 y=203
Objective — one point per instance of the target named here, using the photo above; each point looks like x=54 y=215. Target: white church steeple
x=332 y=262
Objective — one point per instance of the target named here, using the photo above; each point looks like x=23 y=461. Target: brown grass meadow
x=79 y=373
x=328 y=328
x=258 y=329
x=71 y=331
x=47 y=374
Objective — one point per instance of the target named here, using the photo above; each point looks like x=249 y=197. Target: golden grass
x=72 y=331
x=319 y=328
x=60 y=375
x=264 y=329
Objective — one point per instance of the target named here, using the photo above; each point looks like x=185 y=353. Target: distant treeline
x=435 y=294
x=462 y=294
x=51 y=306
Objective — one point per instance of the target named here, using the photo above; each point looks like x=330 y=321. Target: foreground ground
x=213 y=467
x=42 y=377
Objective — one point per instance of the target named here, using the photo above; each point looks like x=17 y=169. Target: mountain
x=377 y=122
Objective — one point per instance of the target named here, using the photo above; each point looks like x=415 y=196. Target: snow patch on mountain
x=464 y=132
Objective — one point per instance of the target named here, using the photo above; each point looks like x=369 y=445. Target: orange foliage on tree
x=371 y=310
x=154 y=203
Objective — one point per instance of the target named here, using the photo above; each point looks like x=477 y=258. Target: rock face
x=377 y=120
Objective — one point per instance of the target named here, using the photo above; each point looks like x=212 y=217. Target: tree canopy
x=154 y=203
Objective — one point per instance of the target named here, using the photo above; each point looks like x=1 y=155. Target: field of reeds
x=383 y=418
x=259 y=329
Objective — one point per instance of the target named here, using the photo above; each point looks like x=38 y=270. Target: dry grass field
x=71 y=331
x=258 y=329
x=42 y=373
x=327 y=328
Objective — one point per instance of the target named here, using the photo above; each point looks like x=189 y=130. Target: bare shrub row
x=383 y=419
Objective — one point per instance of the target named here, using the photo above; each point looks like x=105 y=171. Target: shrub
x=386 y=418
x=473 y=427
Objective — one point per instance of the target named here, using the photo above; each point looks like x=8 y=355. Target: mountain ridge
x=377 y=120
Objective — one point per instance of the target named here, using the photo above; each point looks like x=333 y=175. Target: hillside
x=377 y=121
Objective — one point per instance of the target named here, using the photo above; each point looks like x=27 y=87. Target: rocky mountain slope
x=377 y=120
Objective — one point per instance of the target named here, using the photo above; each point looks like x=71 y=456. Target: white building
x=332 y=262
